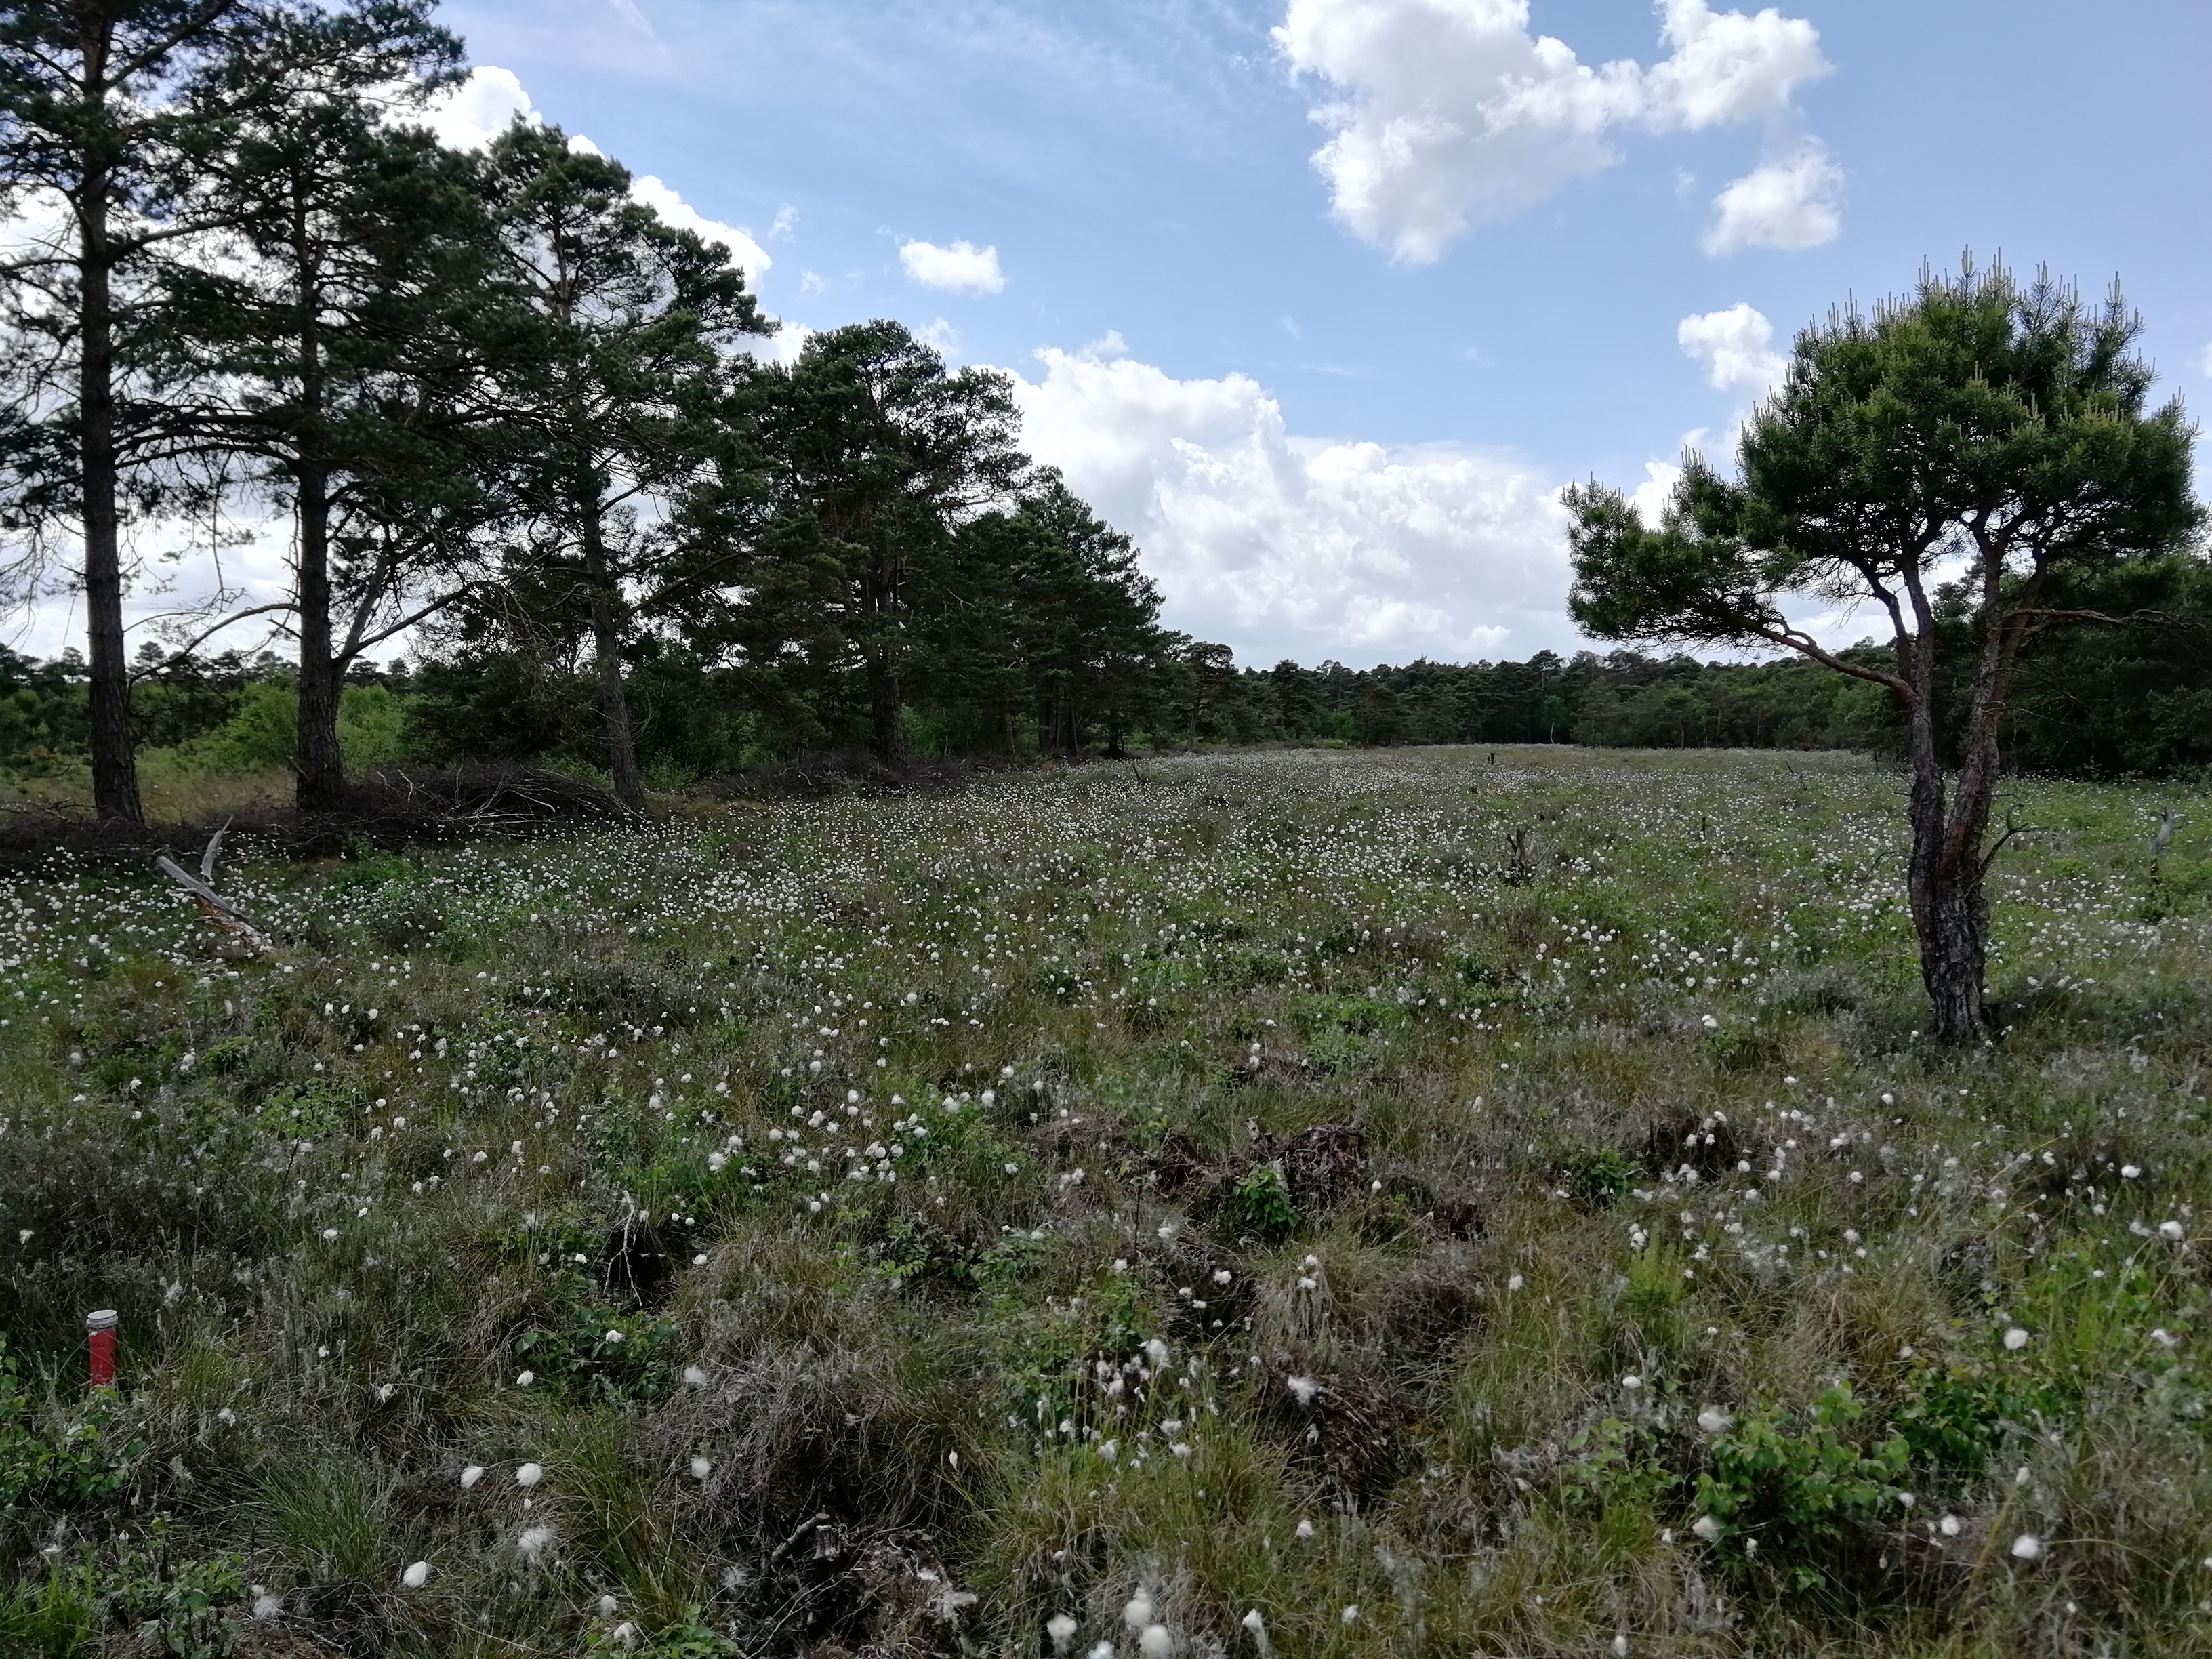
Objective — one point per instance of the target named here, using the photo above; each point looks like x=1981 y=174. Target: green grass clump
x=1262 y=1186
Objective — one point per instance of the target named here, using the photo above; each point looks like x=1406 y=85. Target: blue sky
x=1336 y=423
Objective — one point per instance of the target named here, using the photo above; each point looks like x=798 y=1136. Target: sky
x=1323 y=301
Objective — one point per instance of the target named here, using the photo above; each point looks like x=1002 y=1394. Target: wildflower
x=416 y=1576
x=471 y=1475
x=529 y=1475
x=2026 y=1547
x=2014 y=1340
x=1061 y=1628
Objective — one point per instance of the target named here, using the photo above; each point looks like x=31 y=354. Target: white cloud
x=786 y=222
x=1650 y=497
x=939 y=337
x=1454 y=114
x=2204 y=359
x=1283 y=545
x=1788 y=204
x=963 y=266
x=748 y=254
x=1736 y=346
x=472 y=113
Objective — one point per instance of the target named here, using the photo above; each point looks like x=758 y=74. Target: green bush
x=1787 y=1484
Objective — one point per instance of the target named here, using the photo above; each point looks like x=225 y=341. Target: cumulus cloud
x=2204 y=360
x=1736 y=346
x=746 y=254
x=1453 y=114
x=470 y=114
x=1283 y=545
x=963 y=266
x=1788 y=204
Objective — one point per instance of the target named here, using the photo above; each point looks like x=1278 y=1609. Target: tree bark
x=319 y=766
x=115 y=754
x=886 y=709
x=606 y=638
x=318 y=784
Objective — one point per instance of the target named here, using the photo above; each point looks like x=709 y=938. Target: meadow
x=1291 y=1202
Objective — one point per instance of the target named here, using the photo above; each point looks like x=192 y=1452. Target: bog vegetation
x=1297 y=1202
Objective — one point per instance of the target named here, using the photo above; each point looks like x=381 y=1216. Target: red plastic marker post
x=101 y=1326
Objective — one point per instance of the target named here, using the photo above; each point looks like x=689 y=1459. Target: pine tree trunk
x=319 y=785
x=115 y=754
x=606 y=638
x=319 y=782
x=886 y=710
x=1944 y=886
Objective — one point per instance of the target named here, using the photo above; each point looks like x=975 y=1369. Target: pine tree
x=321 y=332
x=633 y=314
x=99 y=132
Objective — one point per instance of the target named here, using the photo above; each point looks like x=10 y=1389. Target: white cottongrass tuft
x=1305 y=1529
x=2014 y=1340
x=471 y=1475
x=607 y=1605
x=701 y=1468
x=1714 y=1420
x=2026 y=1547
x=1350 y=1615
x=1138 y=1612
x=1155 y=1642
x=1061 y=1628
x=526 y=1379
x=694 y=1378
x=529 y=1474
x=1948 y=1526
x=532 y=1543
x=2170 y=1229
x=1706 y=1527
x=1305 y=1387
x=416 y=1576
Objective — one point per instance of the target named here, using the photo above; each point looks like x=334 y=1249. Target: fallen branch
x=219 y=909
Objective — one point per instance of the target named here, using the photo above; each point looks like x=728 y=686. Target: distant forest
x=2104 y=701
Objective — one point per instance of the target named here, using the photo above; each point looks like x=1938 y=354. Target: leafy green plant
x=1786 y=1484
x=75 y=1469
x=1261 y=1205
x=1601 y=1177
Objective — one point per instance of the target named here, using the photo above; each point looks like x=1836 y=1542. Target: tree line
x=496 y=403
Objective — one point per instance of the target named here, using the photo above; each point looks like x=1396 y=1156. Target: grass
x=1422 y=1201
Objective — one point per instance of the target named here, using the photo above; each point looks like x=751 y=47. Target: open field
x=1297 y=1203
